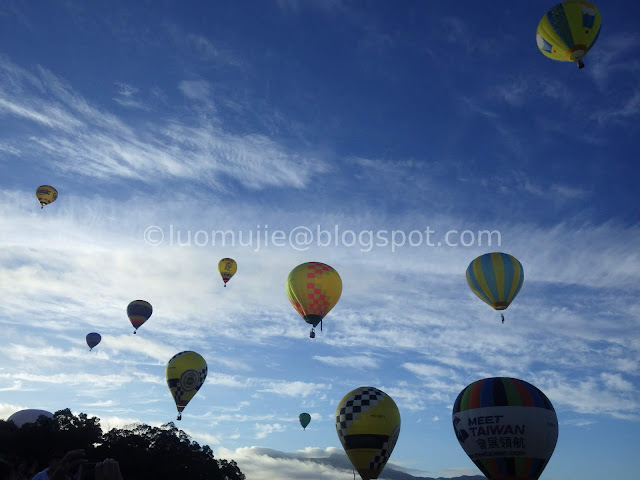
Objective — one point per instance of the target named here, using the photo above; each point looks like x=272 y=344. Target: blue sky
x=367 y=117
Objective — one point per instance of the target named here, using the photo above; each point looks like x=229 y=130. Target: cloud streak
x=98 y=144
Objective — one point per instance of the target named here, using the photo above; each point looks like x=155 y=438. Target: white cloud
x=126 y=97
x=358 y=362
x=104 y=403
x=15 y=387
x=98 y=144
x=612 y=56
x=195 y=89
x=616 y=382
x=266 y=429
x=9 y=149
x=293 y=389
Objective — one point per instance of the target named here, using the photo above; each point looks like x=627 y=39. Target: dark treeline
x=143 y=452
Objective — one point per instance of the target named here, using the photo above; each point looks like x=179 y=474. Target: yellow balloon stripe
x=551 y=36
x=575 y=11
x=482 y=282
x=498 y=271
x=515 y=283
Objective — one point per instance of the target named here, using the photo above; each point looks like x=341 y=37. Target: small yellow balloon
x=227 y=268
x=368 y=425
x=46 y=194
x=185 y=374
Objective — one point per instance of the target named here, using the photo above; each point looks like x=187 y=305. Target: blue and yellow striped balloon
x=568 y=31
x=496 y=278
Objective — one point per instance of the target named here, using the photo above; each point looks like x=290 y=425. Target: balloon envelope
x=93 y=339
x=139 y=312
x=46 y=194
x=507 y=426
x=29 y=415
x=496 y=278
x=313 y=289
x=569 y=30
x=185 y=374
x=227 y=268
x=368 y=425
x=304 y=418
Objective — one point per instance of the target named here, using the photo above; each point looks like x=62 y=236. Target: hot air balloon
x=93 y=339
x=368 y=425
x=313 y=289
x=139 y=312
x=304 y=418
x=46 y=194
x=568 y=31
x=496 y=278
x=185 y=373
x=29 y=415
x=507 y=427
x=227 y=268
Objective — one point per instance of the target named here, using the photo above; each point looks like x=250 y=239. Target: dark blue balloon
x=93 y=339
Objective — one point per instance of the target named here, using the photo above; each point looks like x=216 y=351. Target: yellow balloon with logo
x=313 y=289
x=46 y=194
x=568 y=31
x=185 y=374
x=227 y=268
x=368 y=425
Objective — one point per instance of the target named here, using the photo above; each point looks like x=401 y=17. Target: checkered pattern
x=380 y=459
x=317 y=268
x=354 y=406
x=318 y=303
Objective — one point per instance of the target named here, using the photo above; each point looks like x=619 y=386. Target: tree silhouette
x=143 y=452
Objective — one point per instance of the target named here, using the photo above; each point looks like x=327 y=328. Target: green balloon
x=305 y=418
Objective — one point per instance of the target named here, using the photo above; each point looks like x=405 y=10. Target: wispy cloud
x=15 y=387
x=358 y=362
x=195 y=89
x=628 y=107
x=612 y=55
x=267 y=429
x=98 y=144
x=295 y=389
x=126 y=96
x=9 y=149
x=104 y=403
